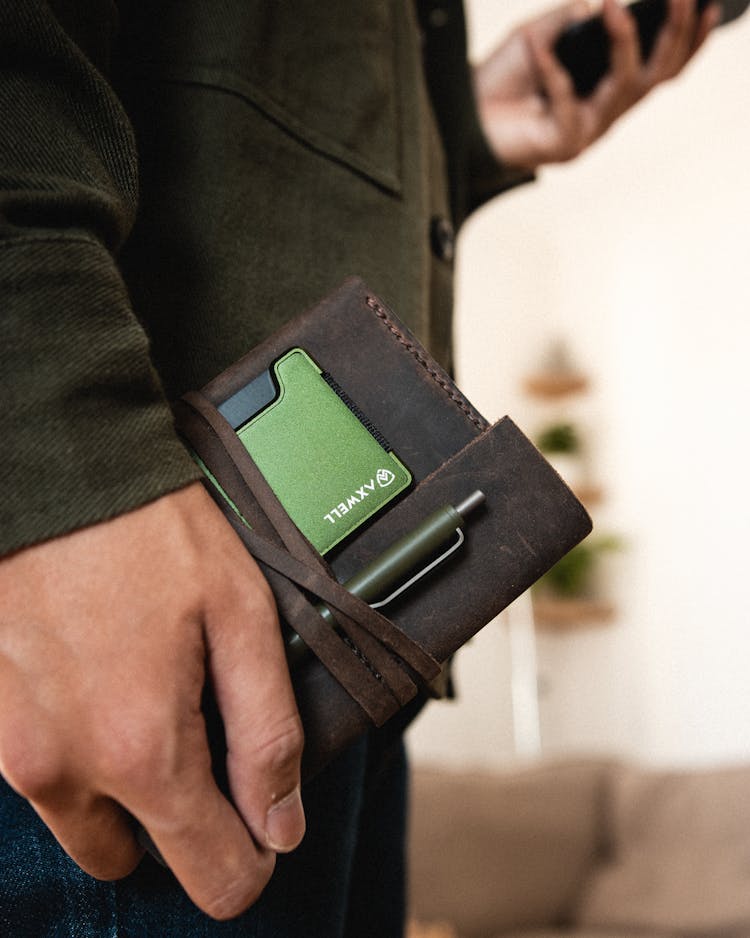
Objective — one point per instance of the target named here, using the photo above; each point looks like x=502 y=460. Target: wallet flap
x=529 y=520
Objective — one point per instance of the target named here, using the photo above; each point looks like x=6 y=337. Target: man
x=277 y=148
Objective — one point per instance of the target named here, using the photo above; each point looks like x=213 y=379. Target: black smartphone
x=584 y=47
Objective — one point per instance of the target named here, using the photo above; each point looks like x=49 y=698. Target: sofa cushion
x=583 y=933
x=508 y=850
x=680 y=855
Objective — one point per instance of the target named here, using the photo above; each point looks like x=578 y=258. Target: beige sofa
x=590 y=849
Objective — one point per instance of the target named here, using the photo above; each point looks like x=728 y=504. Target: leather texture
x=370 y=668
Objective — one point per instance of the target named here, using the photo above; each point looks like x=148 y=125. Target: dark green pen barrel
x=393 y=567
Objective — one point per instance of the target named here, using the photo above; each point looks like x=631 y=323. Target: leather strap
x=375 y=661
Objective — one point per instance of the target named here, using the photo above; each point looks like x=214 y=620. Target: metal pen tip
x=470 y=503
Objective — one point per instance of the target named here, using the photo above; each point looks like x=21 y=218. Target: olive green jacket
x=176 y=180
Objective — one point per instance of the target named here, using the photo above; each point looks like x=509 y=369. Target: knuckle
x=256 y=602
x=238 y=893
x=264 y=605
x=629 y=29
x=261 y=595
x=108 y=861
x=572 y=149
x=134 y=757
x=229 y=903
x=35 y=770
x=279 y=752
x=108 y=869
x=527 y=34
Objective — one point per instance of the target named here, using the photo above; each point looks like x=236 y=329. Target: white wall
x=636 y=254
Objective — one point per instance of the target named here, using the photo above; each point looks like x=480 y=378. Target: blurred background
x=605 y=309
x=633 y=259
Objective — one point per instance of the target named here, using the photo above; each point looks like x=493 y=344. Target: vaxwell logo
x=383 y=478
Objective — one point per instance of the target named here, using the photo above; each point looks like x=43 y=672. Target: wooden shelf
x=553 y=384
x=559 y=377
x=563 y=614
x=588 y=494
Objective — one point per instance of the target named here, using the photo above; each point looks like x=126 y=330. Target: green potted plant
x=561 y=445
x=568 y=595
x=573 y=576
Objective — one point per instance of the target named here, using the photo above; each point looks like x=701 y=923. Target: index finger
x=206 y=844
x=675 y=41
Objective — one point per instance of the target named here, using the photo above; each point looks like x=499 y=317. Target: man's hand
x=106 y=638
x=527 y=103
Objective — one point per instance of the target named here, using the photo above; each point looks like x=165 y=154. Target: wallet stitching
x=382 y=314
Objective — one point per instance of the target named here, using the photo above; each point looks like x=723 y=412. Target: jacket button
x=442 y=238
x=438 y=15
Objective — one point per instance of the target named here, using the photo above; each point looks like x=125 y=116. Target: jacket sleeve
x=86 y=429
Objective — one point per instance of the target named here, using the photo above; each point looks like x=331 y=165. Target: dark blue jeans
x=346 y=880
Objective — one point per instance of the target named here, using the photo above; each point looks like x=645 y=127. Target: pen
x=390 y=568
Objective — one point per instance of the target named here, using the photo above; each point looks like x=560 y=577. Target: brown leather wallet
x=363 y=671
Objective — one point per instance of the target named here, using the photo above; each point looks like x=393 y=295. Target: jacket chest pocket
x=326 y=72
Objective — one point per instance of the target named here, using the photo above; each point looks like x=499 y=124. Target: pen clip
x=423 y=572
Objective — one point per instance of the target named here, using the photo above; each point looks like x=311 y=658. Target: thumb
x=254 y=695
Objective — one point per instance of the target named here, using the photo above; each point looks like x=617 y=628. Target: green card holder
x=369 y=664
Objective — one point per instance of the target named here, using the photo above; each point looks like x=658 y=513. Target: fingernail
x=285 y=823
